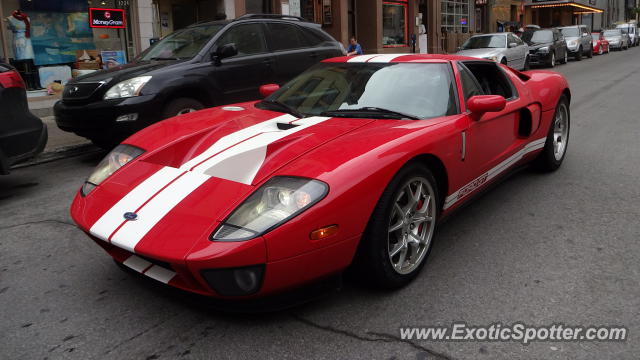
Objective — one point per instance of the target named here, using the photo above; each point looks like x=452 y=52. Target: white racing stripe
x=132 y=232
x=361 y=58
x=384 y=58
x=241 y=163
x=136 y=263
x=495 y=171
x=159 y=273
x=109 y=222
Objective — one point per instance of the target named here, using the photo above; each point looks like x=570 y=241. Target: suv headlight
x=573 y=43
x=116 y=159
x=274 y=203
x=127 y=88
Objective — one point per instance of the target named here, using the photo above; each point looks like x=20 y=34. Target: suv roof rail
x=271 y=16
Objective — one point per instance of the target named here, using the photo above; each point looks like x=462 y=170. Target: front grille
x=79 y=91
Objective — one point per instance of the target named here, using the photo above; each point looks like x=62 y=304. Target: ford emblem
x=131 y=216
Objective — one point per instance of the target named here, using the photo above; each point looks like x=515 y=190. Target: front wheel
x=399 y=235
x=579 y=55
x=600 y=51
x=181 y=106
x=590 y=53
x=552 y=62
x=555 y=147
x=504 y=61
x=565 y=59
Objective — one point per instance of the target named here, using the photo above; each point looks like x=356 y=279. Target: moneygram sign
x=106 y=18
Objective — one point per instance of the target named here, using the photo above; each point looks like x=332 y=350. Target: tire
x=550 y=159
x=552 y=63
x=181 y=106
x=504 y=61
x=590 y=53
x=600 y=50
x=579 y=54
x=381 y=248
x=566 y=57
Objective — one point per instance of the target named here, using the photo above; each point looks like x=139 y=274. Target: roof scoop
x=285 y=125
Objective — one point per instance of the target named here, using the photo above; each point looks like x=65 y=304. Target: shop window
x=394 y=23
x=285 y=37
x=455 y=15
x=249 y=39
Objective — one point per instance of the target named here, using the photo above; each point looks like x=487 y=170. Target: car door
x=291 y=50
x=586 y=39
x=492 y=138
x=516 y=57
x=239 y=77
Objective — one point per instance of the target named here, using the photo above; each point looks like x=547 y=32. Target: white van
x=632 y=30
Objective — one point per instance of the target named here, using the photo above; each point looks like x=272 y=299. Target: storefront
x=559 y=12
x=51 y=41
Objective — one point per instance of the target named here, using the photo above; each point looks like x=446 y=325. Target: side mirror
x=223 y=52
x=268 y=89
x=512 y=45
x=481 y=104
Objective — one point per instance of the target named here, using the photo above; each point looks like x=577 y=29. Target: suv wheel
x=181 y=106
x=579 y=54
x=590 y=53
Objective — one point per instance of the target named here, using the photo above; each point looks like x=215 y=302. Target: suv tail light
x=10 y=79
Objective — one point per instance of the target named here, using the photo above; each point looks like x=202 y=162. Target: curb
x=59 y=154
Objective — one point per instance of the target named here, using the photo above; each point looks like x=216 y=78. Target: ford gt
x=352 y=164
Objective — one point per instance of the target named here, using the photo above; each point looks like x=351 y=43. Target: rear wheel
x=565 y=59
x=579 y=54
x=555 y=147
x=181 y=106
x=398 y=239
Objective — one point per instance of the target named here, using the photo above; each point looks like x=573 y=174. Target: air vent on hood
x=286 y=126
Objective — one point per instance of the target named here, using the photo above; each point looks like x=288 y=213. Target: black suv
x=203 y=65
x=546 y=47
x=22 y=134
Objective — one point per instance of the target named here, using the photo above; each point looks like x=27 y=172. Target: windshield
x=346 y=89
x=570 y=32
x=487 y=41
x=625 y=30
x=537 y=37
x=611 y=33
x=183 y=44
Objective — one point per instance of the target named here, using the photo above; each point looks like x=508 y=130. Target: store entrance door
x=183 y=15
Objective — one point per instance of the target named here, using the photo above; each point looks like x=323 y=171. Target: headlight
x=494 y=58
x=572 y=43
x=274 y=203
x=127 y=88
x=544 y=49
x=116 y=159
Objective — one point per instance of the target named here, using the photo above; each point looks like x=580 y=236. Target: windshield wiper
x=283 y=107
x=164 y=58
x=370 y=110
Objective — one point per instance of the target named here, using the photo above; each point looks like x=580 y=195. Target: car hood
x=198 y=168
x=570 y=38
x=613 y=38
x=127 y=71
x=480 y=53
x=537 y=46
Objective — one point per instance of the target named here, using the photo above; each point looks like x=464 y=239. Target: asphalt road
x=538 y=249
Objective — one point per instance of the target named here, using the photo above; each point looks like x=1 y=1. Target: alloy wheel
x=411 y=225
x=560 y=131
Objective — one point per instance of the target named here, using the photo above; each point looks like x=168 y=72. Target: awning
x=577 y=8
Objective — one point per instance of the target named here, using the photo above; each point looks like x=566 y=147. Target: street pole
x=5 y=48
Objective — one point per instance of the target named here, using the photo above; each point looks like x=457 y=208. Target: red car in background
x=354 y=162
x=600 y=44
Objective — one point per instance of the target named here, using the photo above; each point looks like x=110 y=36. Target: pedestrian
x=354 y=47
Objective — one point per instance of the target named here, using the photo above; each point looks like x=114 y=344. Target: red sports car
x=600 y=44
x=352 y=163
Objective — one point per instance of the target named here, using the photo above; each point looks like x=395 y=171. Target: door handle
x=313 y=54
x=267 y=62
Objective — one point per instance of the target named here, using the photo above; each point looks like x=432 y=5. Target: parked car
x=617 y=39
x=352 y=163
x=504 y=48
x=546 y=47
x=600 y=44
x=22 y=134
x=203 y=65
x=630 y=29
x=579 y=41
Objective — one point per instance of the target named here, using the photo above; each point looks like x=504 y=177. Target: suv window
x=286 y=37
x=248 y=38
x=313 y=38
x=492 y=79
x=470 y=86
